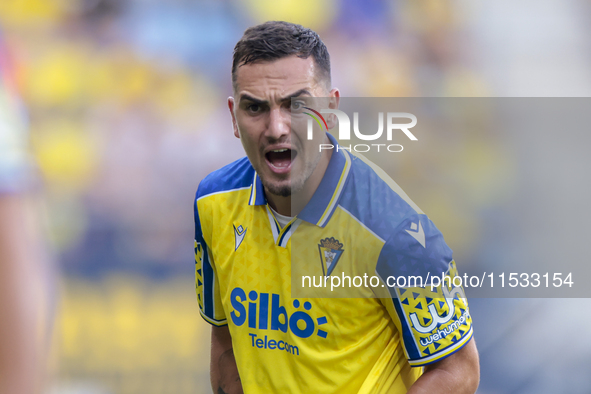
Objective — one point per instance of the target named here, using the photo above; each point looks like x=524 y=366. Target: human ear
x=234 y=123
x=333 y=103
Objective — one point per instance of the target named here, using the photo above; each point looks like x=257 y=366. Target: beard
x=283 y=190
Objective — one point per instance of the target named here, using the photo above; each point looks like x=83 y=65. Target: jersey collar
x=323 y=203
x=257 y=193
x=320 y=208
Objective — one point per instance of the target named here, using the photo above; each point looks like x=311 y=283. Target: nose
x=279 y=124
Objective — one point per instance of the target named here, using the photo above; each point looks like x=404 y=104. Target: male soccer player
x=247 y=215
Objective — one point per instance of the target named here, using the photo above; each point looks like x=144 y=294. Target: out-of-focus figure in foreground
x=23 y=275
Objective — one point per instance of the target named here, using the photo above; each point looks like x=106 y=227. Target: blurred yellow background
x=126 y=111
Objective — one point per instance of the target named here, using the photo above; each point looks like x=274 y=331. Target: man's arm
x=223 y=369
x=21 y=298
x=456 y=374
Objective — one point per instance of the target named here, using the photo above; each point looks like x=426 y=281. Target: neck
x=281 y=205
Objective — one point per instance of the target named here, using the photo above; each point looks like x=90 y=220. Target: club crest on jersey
x=330 y=252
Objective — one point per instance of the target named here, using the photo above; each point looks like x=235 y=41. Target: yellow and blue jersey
x=364 y=339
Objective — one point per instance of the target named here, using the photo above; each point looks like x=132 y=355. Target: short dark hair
x=275 y=40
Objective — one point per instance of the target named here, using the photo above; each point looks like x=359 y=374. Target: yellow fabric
x=361 y=352
x=293 y=338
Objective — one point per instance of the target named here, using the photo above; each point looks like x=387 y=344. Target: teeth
x=280 y=150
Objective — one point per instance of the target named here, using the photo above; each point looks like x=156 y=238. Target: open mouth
x=280 y=159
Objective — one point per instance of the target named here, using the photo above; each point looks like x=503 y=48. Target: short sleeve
x=206 y=281
x=428 y=307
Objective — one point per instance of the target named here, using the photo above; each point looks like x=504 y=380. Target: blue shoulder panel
x=236 y=175
x=371 y=200
x=417 y=248
x=413 y=245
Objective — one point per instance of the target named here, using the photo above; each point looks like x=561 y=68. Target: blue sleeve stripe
x=208 y=283
x=234 y=176
x=208 y=293
x=410 y=345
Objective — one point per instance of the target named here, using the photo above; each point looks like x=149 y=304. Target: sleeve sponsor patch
x=438 y=321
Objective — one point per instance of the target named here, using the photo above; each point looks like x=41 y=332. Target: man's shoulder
x=372 y=197
x=375 y=200
x=234 y=176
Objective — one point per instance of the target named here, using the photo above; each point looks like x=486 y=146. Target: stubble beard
x=295 y=185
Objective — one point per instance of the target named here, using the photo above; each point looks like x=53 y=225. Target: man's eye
x=254 y=108
x=297 y=106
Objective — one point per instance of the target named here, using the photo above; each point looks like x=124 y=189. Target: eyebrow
x=298 y=93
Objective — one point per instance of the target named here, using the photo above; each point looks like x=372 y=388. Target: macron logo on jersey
x=417 y=234
x=239 y=234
